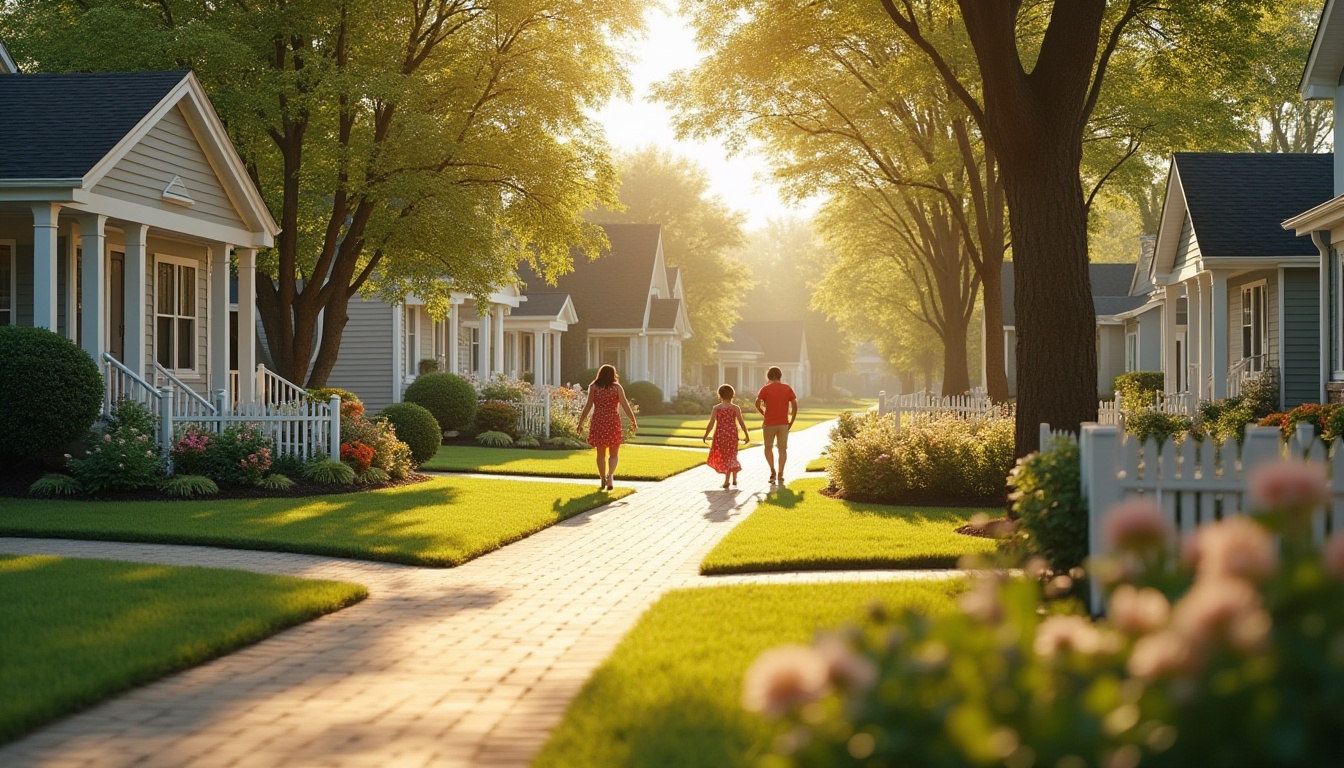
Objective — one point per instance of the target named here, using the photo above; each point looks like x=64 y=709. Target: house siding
x=1187 y=247
x=1150 y=340
x=1301 y=337
x=171 y=149
x=364 y=363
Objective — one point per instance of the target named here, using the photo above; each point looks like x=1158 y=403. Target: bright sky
x=743 y=180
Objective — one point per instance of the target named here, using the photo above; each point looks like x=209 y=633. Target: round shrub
x=50 y=391
x=646 y=395
x=1048 y=500
x=448 y=397
x=416 y=427
x=495 y=416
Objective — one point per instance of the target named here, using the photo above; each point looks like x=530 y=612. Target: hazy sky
x=743 y=181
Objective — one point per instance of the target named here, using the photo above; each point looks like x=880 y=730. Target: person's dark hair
x=606 y=376
x=774 y=374
x=726 y=392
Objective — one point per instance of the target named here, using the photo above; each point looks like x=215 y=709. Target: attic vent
x=176 y=192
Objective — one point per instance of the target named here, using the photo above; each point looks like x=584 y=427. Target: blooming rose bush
x=240 y=455
x=189 y=449
x=358 y=455
x=1225 y=651
x=123 y=458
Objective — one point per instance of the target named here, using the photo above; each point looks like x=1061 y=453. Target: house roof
x=1326 y=60
x=1110 y=290
x=611 y=291
x=59 y=126
x=541 y=305
x=1237 y=202
x=663 y=313
x=741 y=341
x=779 y=341
x=7 y=65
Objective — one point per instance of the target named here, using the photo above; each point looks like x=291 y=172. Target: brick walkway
x=466 y=666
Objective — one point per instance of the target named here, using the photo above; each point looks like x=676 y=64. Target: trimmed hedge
x=450 y=398
x=497 y=416
x=1137 y=388
x=646 y=395
x=50 y=391
x=416 y=427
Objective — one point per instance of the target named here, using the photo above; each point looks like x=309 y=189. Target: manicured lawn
x=669 y=696
x=637 y=462
x=818 y=464
x=797 y=529
x=78 y=631
x=444 y=521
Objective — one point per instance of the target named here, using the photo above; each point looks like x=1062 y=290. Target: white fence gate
x=1194 y=483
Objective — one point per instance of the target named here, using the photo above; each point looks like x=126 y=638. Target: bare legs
x=606 y=465
x=602 y=465
x=611 y=464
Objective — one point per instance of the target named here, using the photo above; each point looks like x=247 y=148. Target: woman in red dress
x=604 y=395
x=724 y=419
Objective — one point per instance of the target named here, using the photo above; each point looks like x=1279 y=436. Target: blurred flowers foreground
x=1228 y=651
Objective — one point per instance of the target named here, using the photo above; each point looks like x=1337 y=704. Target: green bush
x=52 y=485
x=449 y=397
x=371 y=476
x=1150 y=423
x=415 y=426
x=646 y=395
x=276 y=482
x=494 y=439
x=124 y=458
x=323 y=394
x=496 y=416
x=505 y=389
x=188 y=486
x=240 y=455
x=1219 y=420
x=129 y=413
x=329 y=472
x=847 y=426
x=50 y=391
x=287 y=464
x=390 y=453
x=1048 y=501
x=527 y=441
x=928 y=461
x=1138 y=388
x=564 y=424
x=1261 y=395
x=703 y=398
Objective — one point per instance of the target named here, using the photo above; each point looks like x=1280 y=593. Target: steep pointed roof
x=611 y=291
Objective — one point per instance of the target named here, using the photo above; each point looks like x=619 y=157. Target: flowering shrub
x=240 y=455
x=1327 y=420
x=1138 y=388
x=390 y=454
x=505 y=389
x=1152 y=424
x=926 y=461
x=703 y=397
x=358 y=455
x=123 y=458
x=1051 y=509
x=351 y=410
x=188 y=452
x=1230 y=654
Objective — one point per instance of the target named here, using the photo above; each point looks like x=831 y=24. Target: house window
x=8 y=295
x=412 y=341
x=1132 y=350
x=175 y=313
x=614 y=352
x=1182 y=372
x=476 y=349
x=1254 y=326
x=441 y=341
x=1183 y=311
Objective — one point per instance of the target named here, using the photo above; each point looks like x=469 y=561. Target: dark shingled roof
x=59 y=126
x=612 y=290
x=1110 y=289
x=541 y=305
x=741 y=341
x=663 y=314
x=781 y=341
x=1237 y=202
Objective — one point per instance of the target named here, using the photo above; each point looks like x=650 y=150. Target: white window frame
x=178 y=263
x=1248 y=324
x=439 y=329
x=1131 y=350
x=411 y=334
x=11 y=290
x=474 y=334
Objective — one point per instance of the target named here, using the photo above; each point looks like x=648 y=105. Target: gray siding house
x=754 y=347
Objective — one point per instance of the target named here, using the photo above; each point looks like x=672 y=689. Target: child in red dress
x=724 y=419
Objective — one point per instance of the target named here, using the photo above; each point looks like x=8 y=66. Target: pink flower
x=1159 y=655
x=1061 y=633
x=1288 y=485
x=847 y=668
x=784 y=678
x=1136 y=523
x=1333 y=556
x=1220 y=609
x=1237 y=547
x=981 y=602
x=1138 y=611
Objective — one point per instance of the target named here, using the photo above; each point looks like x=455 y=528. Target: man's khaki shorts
x=778 y=433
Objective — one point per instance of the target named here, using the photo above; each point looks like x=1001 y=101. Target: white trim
x=410 y=329
x=195 y=265
x=398 y=350
x=1247 y=290
x=13 y=289
x=206 y=231
x=1283 y=347
x=7 y=65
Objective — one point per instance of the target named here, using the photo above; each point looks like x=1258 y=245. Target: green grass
x=444 y=521
x=668 y=697
x=78 y=631
x=637 y=462
x=798 y=529
x=819 y=464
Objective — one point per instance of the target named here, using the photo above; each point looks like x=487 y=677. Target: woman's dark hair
x=726 y=392
x=606 y=376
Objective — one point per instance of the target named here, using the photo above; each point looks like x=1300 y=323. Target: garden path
x=469 y=666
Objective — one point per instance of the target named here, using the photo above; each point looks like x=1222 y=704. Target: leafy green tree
x=699 y=233
x=396 y=143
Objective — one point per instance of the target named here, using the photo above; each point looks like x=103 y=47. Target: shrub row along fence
x=1195 y=483
x=975 y=405
x=534 y=414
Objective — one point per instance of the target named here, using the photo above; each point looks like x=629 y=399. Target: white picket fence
x=974 y=405
x=534 y=415
x=1194 y=483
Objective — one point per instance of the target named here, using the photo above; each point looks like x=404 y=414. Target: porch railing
x=187 y=403
x=125 y=384
x=275 y=390
x=1243 y=372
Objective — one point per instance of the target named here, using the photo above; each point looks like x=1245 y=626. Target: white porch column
x=1218 y=307
x=93 y=237
x=453 y=318
x=556 y=343
x=539 y=367
x=720 y=381
x=497 y=344
x=1195 y=337
x=1170 y=297
x=483 y=355
x=44 y=266
x=136 y=298
x=217 y=314
x=71 y=260
x=247 y=324
x=1206 y=322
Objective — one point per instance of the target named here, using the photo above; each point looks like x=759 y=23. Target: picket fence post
x=166 y=427
x=334 y=445
x=882 y=403
x=546 y=429
x=1099 y=454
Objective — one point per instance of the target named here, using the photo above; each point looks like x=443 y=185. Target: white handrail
x=274 y=389
x=190 y=405
x=123 y=383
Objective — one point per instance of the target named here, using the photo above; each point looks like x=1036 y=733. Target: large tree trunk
x=956 y=368
x=996 y=373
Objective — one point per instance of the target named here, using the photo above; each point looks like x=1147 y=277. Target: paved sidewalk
x=470 y=666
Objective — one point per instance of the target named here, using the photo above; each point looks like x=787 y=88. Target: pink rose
x=1136 y=523
x=784 y=678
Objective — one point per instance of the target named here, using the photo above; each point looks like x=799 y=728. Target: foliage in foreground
x=1231 y=657
x=1047 y=498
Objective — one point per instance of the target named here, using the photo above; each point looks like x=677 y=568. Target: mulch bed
x=15 y=480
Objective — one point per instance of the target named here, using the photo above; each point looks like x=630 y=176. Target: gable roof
x=779 y=341
x=1110 y=290
x=59 y=126
x=7 y=65
x=542 y=305
x=663 y=313
x=1238 y=201
x=1326 y=60
x=611 y=291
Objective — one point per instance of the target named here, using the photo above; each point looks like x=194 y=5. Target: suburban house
x=1320 y=222
x=1119 y=314
x=628 y=307
x=122 y=205
x=1245 y=291
x=755 y=347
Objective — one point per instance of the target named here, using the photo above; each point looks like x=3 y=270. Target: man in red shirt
x=780 y=409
